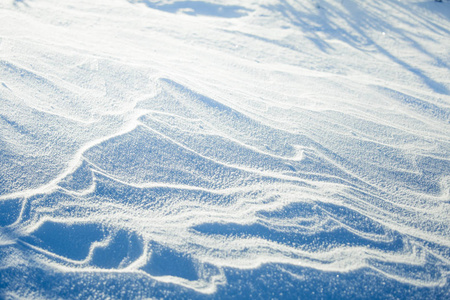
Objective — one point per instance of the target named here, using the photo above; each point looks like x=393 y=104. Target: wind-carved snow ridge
x=191 y=149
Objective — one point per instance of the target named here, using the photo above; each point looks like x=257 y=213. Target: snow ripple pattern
x=158 y=173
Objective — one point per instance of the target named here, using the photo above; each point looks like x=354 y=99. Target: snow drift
x=271 y=149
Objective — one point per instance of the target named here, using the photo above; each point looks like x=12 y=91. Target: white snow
x=235 y=134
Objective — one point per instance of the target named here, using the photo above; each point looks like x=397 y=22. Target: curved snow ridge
x=170 y=148
x=203 y=227
x=168 y=203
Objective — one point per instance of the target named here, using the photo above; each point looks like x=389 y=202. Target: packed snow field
x=215 y=149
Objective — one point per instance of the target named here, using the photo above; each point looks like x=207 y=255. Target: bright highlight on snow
x=269 y=149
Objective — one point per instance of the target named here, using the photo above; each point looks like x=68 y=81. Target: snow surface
x=219 y=149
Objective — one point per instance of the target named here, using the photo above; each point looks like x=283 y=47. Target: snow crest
x=195 y=148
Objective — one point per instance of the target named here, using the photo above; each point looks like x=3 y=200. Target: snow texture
x=268 y=149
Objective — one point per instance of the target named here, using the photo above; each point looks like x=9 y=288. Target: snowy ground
x=216 y=149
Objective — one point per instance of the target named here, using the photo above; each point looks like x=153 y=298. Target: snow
x=250 y=149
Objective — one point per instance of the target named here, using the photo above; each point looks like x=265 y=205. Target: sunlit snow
x=224 y=149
